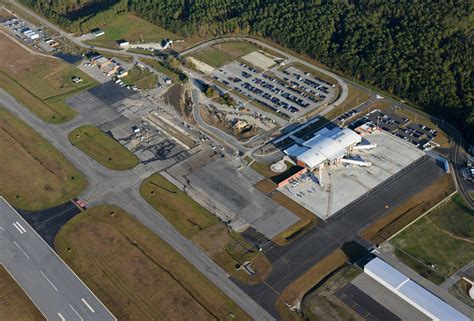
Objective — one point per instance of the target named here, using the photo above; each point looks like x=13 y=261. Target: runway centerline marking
x=18 y=228
x=87 y=304
x=61 y=316
x=48 y=280
x=22 y=251
x=76 y=312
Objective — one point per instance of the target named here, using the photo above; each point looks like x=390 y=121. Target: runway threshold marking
x=18 y=228
x=48 y=280
x=61 y=316
x=87 y=305
x=22 y=251
x=72 y=308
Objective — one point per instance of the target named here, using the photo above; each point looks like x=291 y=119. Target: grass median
x=224 y=246
x=102 y=148
x=34 y=174
x=136 y=274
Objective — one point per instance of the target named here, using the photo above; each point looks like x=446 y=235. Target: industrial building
x=325 y=147
x=412 y=293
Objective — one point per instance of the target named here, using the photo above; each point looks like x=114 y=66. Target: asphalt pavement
x=57 y=292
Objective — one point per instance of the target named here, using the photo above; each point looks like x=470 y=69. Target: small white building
x=97 y=32
x=123 y=43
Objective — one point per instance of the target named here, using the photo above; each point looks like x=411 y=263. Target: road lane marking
x=87 y=304
x=24 y=253
x=76 y=312
x=61 y=316
x=48 y=280
x=19 y=229
x=20 y=226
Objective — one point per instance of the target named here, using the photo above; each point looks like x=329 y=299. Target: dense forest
x=419 y=50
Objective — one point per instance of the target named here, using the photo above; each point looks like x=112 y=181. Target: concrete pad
x=227 y=186
x=259 y=60
x=344 y=184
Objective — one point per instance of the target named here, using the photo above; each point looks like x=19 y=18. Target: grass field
x=157 y=65
x=14 y=303
x=39 y=82
x=224 y=246
x=34 y=174
x=136 y=274
x=143 y=79
x=442 y=241
x=213 y=56
x=102 y=148
x=236 y=48
x=133 y=29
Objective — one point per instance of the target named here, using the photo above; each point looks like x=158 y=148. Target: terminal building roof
x=325 y=145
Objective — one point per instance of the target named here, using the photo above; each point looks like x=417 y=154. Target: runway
x=52 y=286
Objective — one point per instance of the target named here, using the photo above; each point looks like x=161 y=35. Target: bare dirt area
x=14 y=303
x=175 y=97
x=34 y=174
x=136 y=274
x=239 y=127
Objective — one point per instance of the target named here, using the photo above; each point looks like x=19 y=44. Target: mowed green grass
x=38 y=82
x=212 y=56
x=133 y=29
x=102 y=148
x=443 y=238
x=143 y=79
x=236 y=48
x=137 y=275
x=33 y=174
x=224 y=246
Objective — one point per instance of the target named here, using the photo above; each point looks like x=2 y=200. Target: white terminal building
x=327 y=146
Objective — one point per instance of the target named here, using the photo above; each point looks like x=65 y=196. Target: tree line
x=420 y=51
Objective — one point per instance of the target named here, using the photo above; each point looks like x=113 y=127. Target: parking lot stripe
x=61 y=316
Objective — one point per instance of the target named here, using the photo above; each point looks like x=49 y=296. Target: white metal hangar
x=326 y=146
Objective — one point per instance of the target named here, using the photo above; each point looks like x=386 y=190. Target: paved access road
x=47 y=280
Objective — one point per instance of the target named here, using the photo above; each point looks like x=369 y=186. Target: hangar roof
x=414 y=294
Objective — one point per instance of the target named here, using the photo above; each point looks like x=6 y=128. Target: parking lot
x=418 y=135
x=290 y=92
x=343 y=184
